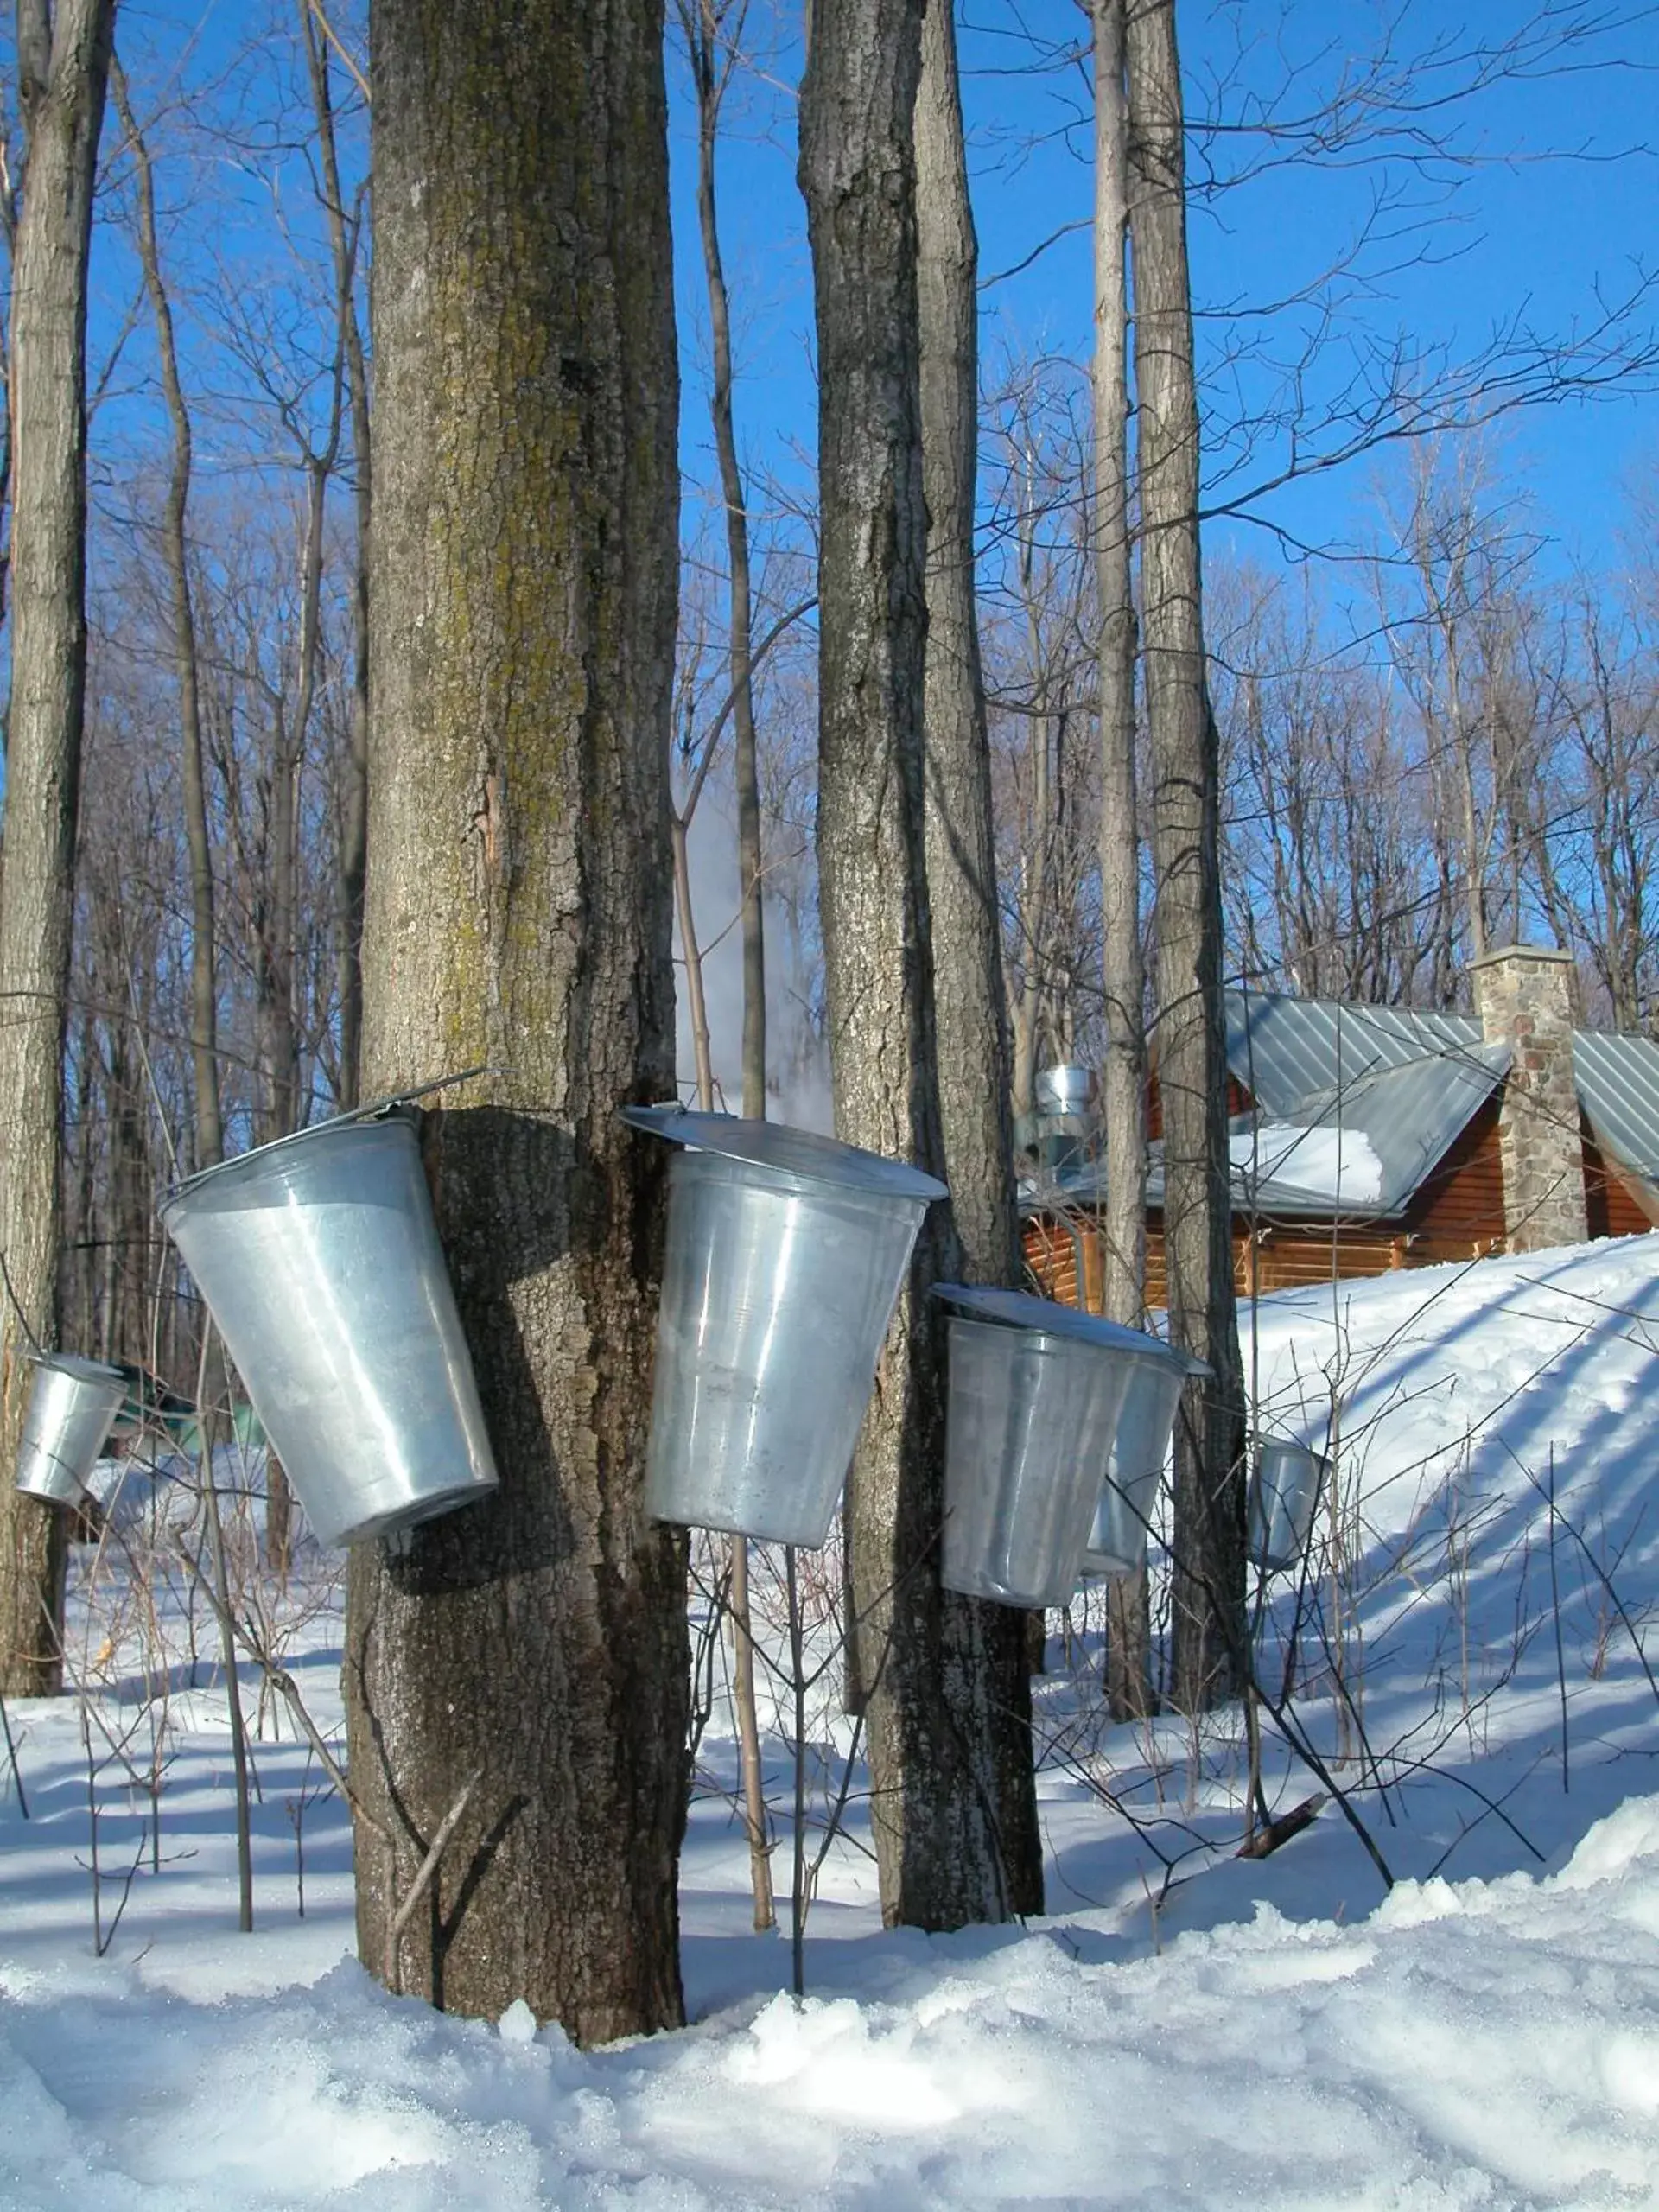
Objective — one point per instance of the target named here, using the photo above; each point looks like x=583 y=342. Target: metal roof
x=1618 y=1081
x=1408 y=1081
x=1412 y=1114
x=1308 y=1060
x=1287 y=1052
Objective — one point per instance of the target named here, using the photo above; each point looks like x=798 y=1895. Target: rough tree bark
x=62 y=70
x=1209 y=1647
x=1123 y=1078
x=522 y=596
x=931 y=1692
x=969 y=1004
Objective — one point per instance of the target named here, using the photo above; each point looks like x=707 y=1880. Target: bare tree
x=973 y=1068
x=1042 y=1013
x=1463 y=644
x=1041 y=657
x=935 y=1807
x=1208 y=1653
x=1340 y=873
x=345 y=240
x=62 y=69
x=131 y=1013
x=1607 y=849
x=712 y=30
x=204 y=962
x=1123 y=1074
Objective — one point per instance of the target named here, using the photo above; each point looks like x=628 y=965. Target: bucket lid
x=224 y=1172
x=84 y=1370
x=1291 y=1447
x=787 y=1151
x=1017 y=1309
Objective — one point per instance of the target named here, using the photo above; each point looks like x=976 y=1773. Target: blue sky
x=1534 y=220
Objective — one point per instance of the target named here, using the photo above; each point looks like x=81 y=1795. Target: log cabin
x=1368 y=1138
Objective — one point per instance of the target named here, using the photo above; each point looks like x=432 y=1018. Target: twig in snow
x=283 y=1683
x=11 y=1760
x=1263 y=1840
x=428 y=1866
x=1555 y=1608
x=1600 y=1574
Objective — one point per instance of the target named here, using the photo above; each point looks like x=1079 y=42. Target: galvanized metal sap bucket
x=786 y=1252
x=319 y=1263
x=1285 y=1488
x=1035 y=1392
x=1158 y=1373
x=72 y=1405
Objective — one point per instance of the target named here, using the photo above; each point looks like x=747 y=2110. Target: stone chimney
x=1523 y=995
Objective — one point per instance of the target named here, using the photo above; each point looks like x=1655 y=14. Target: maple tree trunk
x=523 y=603
x=1209 y=1644
x=969 y=1003
x=930 y=1694
x=63 y=69
x=1123 y=1077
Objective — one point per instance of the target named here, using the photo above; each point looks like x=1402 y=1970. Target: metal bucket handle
x=36 y=1349
x=379 y=1109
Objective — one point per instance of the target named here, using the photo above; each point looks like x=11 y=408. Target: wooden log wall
x=1617 y=1201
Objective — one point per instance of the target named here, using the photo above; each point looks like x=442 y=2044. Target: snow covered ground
x=1465 y=1664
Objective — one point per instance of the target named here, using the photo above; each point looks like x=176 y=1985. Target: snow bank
x=1279 y=2034
x=1468 y=2045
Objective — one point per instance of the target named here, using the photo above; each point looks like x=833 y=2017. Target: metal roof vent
x=1064 y=1133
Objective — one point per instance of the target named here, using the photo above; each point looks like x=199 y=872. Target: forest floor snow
x=1185 y=2024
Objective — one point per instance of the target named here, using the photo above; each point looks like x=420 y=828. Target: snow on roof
x=1388 y=1128
x=1319 y=1061
x=1401 y=1084
x=1330 y=1163
x=1411 y=1114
